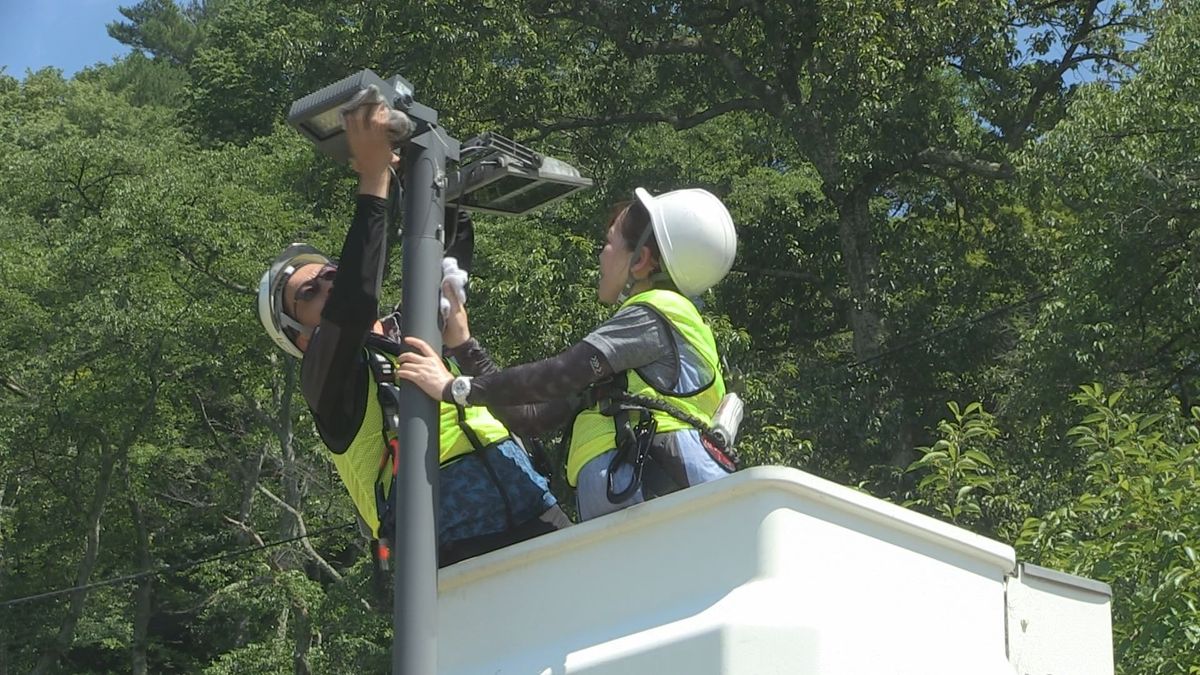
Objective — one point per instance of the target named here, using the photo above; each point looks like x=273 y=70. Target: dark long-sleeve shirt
x=546 y=393
x=334 y=373
x=538 y=398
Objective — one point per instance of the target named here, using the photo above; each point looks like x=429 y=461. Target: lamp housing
x=317 y=116
x=503 y=177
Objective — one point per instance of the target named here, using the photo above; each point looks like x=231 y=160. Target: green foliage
x=143 y=81
x=927 y=212
x=164 y=29
x=958 y=469
x=1127 y=296
x=1136 y=527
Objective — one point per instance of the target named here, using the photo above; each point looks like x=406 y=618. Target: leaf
x=979 y=457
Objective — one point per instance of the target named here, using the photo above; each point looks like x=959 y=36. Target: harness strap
x=461 y=416
x=715 y=444
x=633 y=448
x=389 y=398
x=389 y=401
x=633 y=444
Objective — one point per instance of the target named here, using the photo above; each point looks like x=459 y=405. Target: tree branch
x=304 y=542
x=190 y=258
x=957 y=160
x=676 y=121
x=13 y=387
x=786 y=274
x=1054 y=80
x=687 y=45
x=742 y=76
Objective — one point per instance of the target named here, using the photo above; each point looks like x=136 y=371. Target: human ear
x=644 y=265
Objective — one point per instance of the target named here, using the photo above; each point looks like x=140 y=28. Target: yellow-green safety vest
x=595 y=433
x=358 y=466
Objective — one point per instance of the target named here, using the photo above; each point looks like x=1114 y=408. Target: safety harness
x=633 y=442
x=384 y=371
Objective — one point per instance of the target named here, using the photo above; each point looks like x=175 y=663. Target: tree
x=876 y=98
x=1127 y=300
x=164 y=29
x=140 y=425
x=1135 y=526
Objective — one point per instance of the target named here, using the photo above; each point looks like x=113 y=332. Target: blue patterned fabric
x=471 y=502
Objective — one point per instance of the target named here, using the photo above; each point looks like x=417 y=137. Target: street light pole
x=414 y=623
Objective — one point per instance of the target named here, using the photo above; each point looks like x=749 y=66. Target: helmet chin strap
x=630 y=281
x=285 y=319
x=288 y=322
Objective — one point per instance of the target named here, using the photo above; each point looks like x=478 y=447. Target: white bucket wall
x=771 y=570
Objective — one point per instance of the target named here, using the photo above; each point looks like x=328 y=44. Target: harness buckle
x=633 y=448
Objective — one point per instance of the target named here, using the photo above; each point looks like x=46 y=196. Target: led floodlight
x=506 y=178
x=316 y=116
x=497 y=175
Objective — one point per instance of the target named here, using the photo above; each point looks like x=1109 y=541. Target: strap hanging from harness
x=461 y=416
x=389 y=398
x=632 y=448
x=633 y=443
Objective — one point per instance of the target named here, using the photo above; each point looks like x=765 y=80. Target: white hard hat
x=270 y=294
x=695 y=236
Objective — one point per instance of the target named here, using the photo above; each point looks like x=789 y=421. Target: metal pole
x=414 y=622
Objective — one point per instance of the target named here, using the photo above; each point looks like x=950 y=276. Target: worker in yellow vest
x=644 y=387
x=326 y=314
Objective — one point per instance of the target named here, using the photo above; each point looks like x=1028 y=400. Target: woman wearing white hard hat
x=643 y=387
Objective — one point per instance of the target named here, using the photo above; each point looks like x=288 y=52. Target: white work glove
x=402 y=126
x=454 y=282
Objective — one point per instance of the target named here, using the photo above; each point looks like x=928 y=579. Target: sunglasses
x=308 y=290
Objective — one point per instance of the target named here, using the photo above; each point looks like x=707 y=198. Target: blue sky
x=66 y=34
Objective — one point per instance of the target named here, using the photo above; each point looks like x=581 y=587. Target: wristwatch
x=460 y=389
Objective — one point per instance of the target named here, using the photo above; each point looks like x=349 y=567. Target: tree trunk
x=3 y=577
x=860 y=258
x=83 y=573
x=143 y=594
x=303 y=642
x=109 y=456
x=288 y=526
x=3 y=643
x=253 y=469
x=904 y=451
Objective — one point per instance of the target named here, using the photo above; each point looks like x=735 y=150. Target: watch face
x=460 y=387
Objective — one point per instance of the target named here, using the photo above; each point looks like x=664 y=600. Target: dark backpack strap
x=481 y=456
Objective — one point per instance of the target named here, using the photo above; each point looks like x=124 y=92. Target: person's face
x=614 y=263
x=306 y=292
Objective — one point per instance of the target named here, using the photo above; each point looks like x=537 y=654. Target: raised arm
x=333 y=378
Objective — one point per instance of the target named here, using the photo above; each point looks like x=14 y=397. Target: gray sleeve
x=634 y=337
